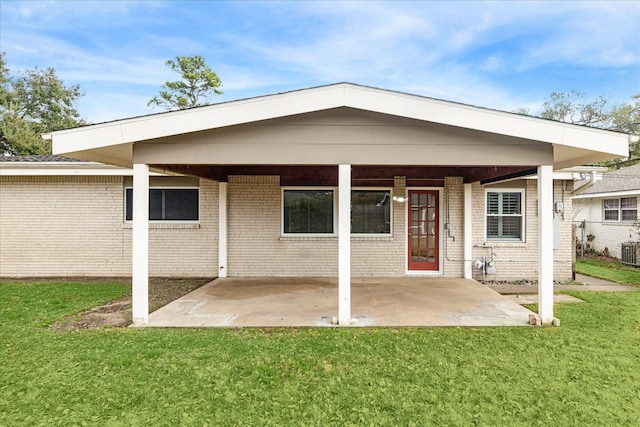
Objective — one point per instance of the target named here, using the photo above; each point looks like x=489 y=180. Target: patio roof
x=113 y=142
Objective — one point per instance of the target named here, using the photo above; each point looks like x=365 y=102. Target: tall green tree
x=198 y=82
x=31 y=104
x=572 y=108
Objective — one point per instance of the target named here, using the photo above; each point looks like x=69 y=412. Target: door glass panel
x=414 y=249
x=423 y=249
x=423 y=230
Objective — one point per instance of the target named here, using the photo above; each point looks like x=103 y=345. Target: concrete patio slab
x=313 y=302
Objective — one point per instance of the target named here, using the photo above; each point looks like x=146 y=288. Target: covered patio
x=265 y=163
x=313 y=302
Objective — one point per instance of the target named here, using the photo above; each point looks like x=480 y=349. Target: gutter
x=592 y=178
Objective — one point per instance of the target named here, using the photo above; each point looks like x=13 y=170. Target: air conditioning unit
x=631 y=254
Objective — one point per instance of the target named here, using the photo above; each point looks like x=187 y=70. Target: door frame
x=407 y=224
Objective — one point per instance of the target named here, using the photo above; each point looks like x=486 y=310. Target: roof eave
x=81 y=141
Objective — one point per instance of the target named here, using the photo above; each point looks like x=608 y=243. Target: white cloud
x=458 y=50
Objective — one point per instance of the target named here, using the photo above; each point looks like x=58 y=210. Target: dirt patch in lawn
x=117 y=314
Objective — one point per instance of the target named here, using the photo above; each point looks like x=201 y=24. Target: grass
x=611 y=270
x=583 y=373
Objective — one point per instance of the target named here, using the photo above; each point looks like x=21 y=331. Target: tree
x=31 y=104
x=571 y=108
x=197 y=84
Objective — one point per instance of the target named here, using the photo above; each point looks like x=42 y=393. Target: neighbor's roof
x=622 y=181
x=40 y=158
x=52 y=165
x=112 y=142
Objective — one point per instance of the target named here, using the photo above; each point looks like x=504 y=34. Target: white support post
x=222 y=229
x=140 y=250
x=344 y=245
x=545 y=244
x=468 y=236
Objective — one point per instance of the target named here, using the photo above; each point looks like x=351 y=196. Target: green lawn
x=611 y=270
x=586 y=372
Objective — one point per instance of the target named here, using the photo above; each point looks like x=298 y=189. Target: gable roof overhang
x=113 y=142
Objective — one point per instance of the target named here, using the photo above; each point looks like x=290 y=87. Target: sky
x=502 y=55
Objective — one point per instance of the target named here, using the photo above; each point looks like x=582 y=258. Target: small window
x=371 y=212
x=505 y=219
x=168 y=204
x=623 y=209
x=308 y=211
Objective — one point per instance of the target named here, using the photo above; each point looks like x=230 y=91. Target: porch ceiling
x=360 y=175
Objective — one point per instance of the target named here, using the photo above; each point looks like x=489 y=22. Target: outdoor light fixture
x=399 y=199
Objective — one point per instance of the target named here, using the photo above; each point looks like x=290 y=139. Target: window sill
x=166 y=225
x=354 y=238
x=374 y=237
x=503 y=244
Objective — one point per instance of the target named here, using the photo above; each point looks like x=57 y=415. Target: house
x=335 y=181
x=607 y=210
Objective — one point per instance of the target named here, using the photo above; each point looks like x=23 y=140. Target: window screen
x=168 y=204
x=371 y=211
x=308 y=211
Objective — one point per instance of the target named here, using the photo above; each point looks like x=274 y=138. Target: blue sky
x=501 y=55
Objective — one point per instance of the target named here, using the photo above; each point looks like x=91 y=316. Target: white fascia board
x=574 y=173
x=486 y=120
x=624 y=193
x=197 y=119
x=65 y=169
x=334 y=96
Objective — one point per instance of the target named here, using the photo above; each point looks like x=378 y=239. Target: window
x=622 y=209
x=308 y=211
x=505 y=219
x=370 y=212
x=167 y=204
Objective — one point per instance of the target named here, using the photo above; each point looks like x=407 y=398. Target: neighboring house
x=608 y=211
x=335 y=181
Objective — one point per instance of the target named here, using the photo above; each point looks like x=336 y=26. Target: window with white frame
x=308 y=211
x=168 y=204
x=620 y=209
x=505 y=215
x=371 y=211
x=312 y=211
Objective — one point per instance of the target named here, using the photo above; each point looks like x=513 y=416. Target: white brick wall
x=519 y=260
x=453 y=239
x=256 y=247
x=608 y=235
x=74 y=226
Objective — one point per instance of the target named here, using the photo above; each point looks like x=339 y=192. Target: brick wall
x=74 y=226
x=383 y=256
x=256 y=247
x=453 y=238
x=608 y=235
x=519 y=260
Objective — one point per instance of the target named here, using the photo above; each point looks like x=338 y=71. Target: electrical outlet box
x=559 y=207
